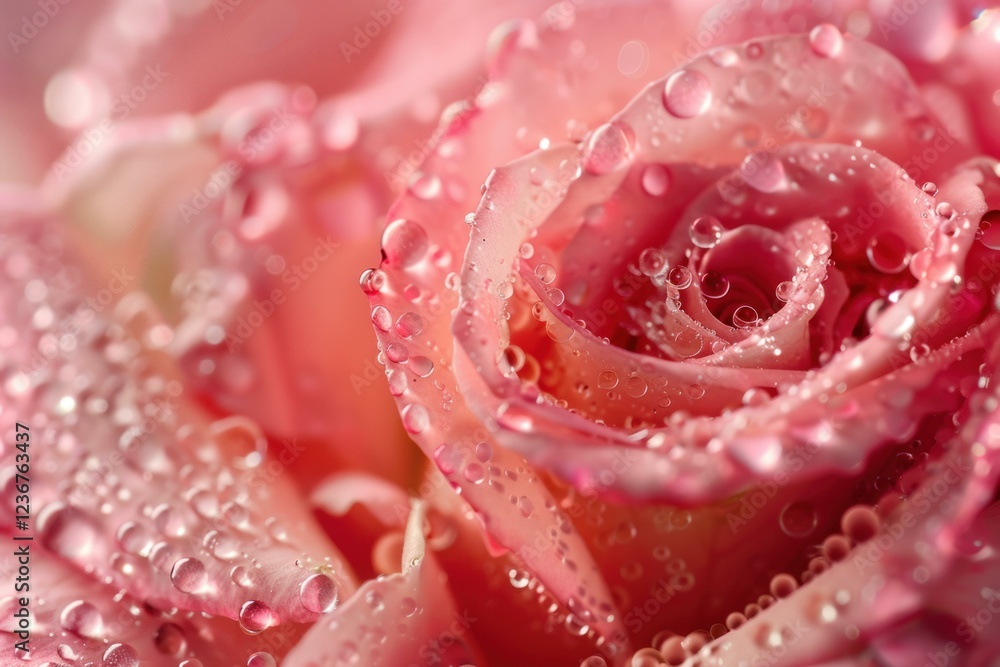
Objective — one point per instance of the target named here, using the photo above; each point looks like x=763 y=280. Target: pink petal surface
x=398 y=619
x=132 y=484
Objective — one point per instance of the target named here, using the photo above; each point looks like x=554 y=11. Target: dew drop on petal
x=745 y=316
x=170 y=640
x=860 y=523
x=415 y=417
x=255 y=617
x=714 y=285
x=262 y=659
x=687 y=94
x=82 y=618
x=989 y=230
x=652 y=262
x=381 y=318
x=764 y=172
x=706 y=231
x=404 y=243
x=783 y=585
x=189 y=575
x=546 y=273
x=425 y=186
x=120 y=655
x=784 y=290
x=607 y=149
x=607 y=379
x=655 y=180
x=636 y=387
x=372 y=281
x=826 y=40
x=319 y=593
x=680 y=277
x=887 y=252
x=797 y=519
x=409 y=324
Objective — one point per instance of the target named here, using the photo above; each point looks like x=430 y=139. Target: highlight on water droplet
x=319 y=593
x=404 y=243
x=255 y=617
x=607 y=148
x=826 y=40
x=688 y=93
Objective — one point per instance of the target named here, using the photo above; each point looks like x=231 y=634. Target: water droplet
x=475 y=473
x=636 y=387
x=888 y=253
x=764 y=172
x=607 y=379
x=688 y=93
x=372 y=281
x=784 y=290
x=546 y=273
x=134 y=539
x=860 y=523
x=82 y=618
x=706 y=231
x=409 y=324
x=525 y=506
x=425 y=186
x=745 y=316
x=189 y=575
x=797 y=519
x=652 y=262
x=783 y=585
x=989 y=230
x=396 y=353
x=680 y=277
x=607 y=148
x=404 y=243
x=688 y=342
x=714 y=285
x=755 y=396
x=421 y=366
x=261 y=659
x=170 y=640
x=241 y=577
x=120 y=655
x=67 y=532
x=381 y=318
x=255 y=617
x=826 y=40
x=415 y=417
x=655 y=180
x=319 y=593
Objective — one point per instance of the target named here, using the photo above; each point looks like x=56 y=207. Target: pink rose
x=730 y=344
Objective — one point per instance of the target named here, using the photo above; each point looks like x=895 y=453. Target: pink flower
x=690 y=309
x=734 y=329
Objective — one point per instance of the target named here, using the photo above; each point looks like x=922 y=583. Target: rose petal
x=394 y=618
x=132 y=483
